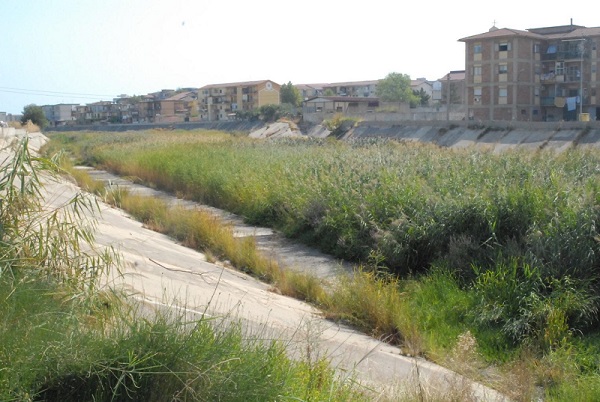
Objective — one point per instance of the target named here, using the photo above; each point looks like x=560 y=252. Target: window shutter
x=508 y=46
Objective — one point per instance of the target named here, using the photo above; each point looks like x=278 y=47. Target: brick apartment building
x=541 y=74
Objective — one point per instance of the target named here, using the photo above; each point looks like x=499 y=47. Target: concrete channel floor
x=160 y=273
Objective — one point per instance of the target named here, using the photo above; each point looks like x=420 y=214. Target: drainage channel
x=288 y=254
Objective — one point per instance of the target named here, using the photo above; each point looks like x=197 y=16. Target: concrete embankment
x=498 y=136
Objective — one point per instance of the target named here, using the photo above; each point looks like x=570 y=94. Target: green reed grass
x=412 y=207
x=63 y=338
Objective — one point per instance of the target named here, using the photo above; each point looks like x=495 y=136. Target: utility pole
x=582 y=50
x=448 y=97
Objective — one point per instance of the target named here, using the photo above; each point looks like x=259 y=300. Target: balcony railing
x=563 y=55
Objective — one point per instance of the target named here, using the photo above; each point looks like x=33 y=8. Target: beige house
x=541 y=74
x=365 y=89
x=308 y=91
x=319 y=108
x=221 y=101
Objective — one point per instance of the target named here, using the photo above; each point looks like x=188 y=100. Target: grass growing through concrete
x=63 y=337
x=506 y=246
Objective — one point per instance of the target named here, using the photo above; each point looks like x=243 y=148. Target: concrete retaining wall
x=498 y=136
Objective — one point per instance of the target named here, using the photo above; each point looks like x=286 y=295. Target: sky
x=82 y=51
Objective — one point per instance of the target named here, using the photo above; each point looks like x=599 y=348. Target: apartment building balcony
x=549 y=78
x=571 y=54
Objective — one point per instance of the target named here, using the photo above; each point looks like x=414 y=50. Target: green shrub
x=528 y=307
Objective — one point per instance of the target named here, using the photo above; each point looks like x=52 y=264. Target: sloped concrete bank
x=498 y=136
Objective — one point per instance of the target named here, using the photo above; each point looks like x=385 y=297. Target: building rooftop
x=235 y=84
x=545 y=33
x=352 y=83
x=502 y=32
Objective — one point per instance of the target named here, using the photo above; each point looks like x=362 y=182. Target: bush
x=528 y=307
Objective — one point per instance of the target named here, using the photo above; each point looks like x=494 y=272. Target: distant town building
x=363 y=89
x=61 y=114
x=222 y=101
x=540 y=74
x=308 y=91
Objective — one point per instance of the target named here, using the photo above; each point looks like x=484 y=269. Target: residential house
x=156 y=110
x=185 y=105
x=540 y=74
x=61 y=114
x=99 y=112
x=363 y=89
x=309 y=91
x=221 y=101
x=428 y=87
x=323 y=107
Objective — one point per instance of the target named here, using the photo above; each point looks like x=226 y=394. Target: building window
x=477 y=91
x=502 y=69
x=559 y=68
x=504 y=47
x=502 y=92
x=477 y=70
x=477 y=48
x=536 y=48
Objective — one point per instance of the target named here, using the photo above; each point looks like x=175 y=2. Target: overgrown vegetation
x=34 y=114
x=339 y=124
x=505 y=246
x=65 y=338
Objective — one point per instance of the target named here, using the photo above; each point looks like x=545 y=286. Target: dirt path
x=289 y=254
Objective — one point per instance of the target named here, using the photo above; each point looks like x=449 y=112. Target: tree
x=422 y=97
x=35 y=114
x=395 y=87
x=269 y=113
x=290 y=94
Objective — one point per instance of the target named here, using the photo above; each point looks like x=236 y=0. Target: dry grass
x=31 y=128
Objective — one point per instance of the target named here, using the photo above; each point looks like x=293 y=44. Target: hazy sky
x=81 y=51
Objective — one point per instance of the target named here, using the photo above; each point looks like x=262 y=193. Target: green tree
x=329 y=92
x=269 y=113
x=422 y=98
x=35 y=114
x=395 y=87
x=290 y=94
